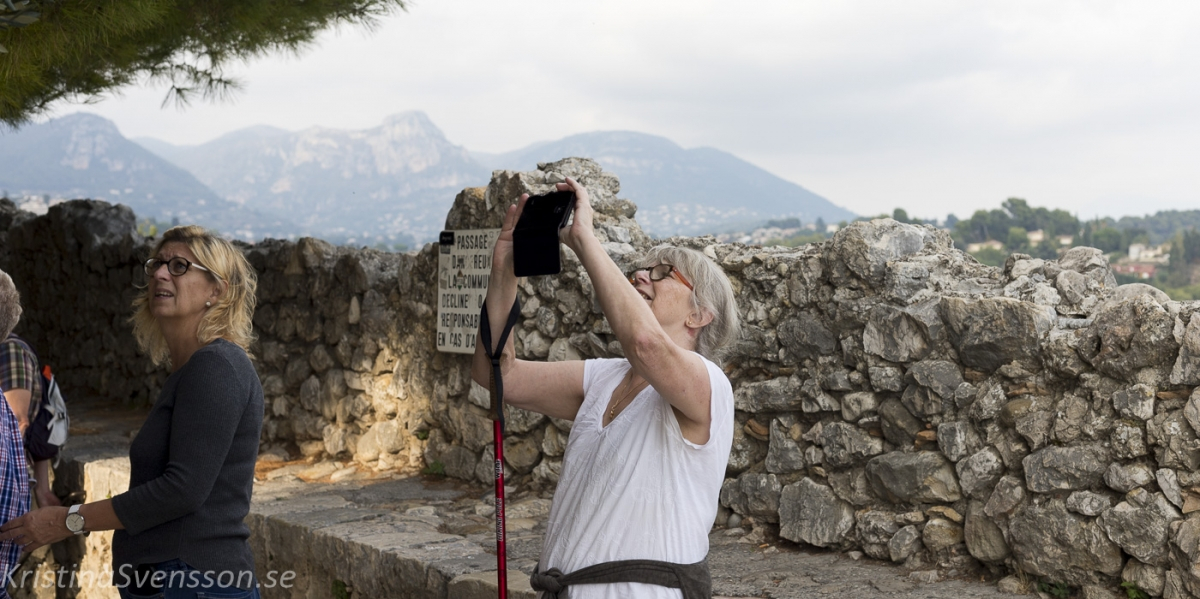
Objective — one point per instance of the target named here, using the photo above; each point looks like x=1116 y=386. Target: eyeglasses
x=177 y=266
x=659 y=272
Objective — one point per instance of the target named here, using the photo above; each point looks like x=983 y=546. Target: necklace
x=629 y=392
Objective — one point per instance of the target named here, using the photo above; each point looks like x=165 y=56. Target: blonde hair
x=712 y=293
x=229 y=318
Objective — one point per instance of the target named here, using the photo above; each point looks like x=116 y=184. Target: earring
x=207 y=304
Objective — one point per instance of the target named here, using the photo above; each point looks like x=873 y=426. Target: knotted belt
x=693 y=579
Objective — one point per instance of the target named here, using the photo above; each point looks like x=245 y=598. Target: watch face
x=74 y=522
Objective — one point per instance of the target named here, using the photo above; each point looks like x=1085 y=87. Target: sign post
x=464 y=267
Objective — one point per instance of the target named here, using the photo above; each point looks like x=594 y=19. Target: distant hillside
x=1162 y=226
x=678 y=191
x=85 y=156
x=393 y=183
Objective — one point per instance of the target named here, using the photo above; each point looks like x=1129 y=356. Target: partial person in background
x=14 y=475
x=180 y=526
x=22 y=386
x=647 y=453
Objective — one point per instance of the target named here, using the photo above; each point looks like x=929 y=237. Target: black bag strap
x=495 y=383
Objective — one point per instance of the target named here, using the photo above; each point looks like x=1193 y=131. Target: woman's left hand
x=36 y=528
x=581 y=225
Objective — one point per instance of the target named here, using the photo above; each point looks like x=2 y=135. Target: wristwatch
x=75 y=520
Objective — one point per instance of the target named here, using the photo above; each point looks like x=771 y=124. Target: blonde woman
x=179 y=530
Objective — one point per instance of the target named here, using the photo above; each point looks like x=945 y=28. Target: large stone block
x=753 y=494
x=991 y=332
x=1141 y=526
x=922 y=477
x=958 y=439
x=784 y=454
x=978 y=474
x=1047 y=540
x=775 y=395
x=903 y=334
x=1173 y=440
x=806 y=336
x=1128 y=336
x=941 y=376
x=847 y=445
x=985 y=541
x=811 y=513
x=898 y=424
x=1064 y=468
x=1187 y=366
x=864 y=249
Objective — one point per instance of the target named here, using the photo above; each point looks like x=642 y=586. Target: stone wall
x=76 y=268
x=894 y=396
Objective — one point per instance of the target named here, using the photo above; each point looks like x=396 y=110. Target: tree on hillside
x=1017 y=240
x=83 y=49
x=1161 y=226
x=1014 y=212
x=1185 y=255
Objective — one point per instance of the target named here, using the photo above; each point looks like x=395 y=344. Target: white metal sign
x=464 y=267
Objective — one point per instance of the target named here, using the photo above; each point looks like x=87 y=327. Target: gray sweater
x=192 y=468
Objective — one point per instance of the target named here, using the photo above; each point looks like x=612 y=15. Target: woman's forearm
x=630 y=318
x=99 y=515
x=501 y=293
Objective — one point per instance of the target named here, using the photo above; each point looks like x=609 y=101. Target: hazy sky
x=934 y=106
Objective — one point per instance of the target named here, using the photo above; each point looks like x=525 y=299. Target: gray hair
x=712 y=293
x=10 y=305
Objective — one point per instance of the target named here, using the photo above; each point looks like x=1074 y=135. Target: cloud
x=936 y=106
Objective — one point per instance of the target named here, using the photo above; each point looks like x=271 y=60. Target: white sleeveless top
x=636 y=489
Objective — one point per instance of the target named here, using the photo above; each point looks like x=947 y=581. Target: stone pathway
x=366 y=534
x=452 y=524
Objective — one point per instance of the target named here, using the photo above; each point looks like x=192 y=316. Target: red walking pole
x=501 y=548
x=496 y=389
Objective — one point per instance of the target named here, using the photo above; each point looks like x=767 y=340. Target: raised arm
x=551 y=388
x=657 y=351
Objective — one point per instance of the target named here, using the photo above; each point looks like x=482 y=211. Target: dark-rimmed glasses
x=659 y=272
x=177 y=266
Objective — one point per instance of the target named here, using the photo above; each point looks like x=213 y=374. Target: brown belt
x=693 y=579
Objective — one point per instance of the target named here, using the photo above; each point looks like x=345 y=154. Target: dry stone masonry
x=894 y=396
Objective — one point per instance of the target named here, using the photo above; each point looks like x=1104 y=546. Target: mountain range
x=390 y=184
x=85 y=156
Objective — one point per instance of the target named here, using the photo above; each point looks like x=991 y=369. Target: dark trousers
x=174 y=579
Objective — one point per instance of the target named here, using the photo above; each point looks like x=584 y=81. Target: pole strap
x=495 y=383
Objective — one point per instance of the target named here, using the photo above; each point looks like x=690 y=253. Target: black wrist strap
x=495 y=383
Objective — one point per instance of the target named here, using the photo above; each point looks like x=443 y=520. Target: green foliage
x=422 y=435
x=83 y=49
x=339 y=590
x=1017 y=240
x=437 y=468
x=1014 y=212
x=1132 y=591
x=1058 y=590
x=799 y=239
x=1162 y=226
x=991 y=256
x=1180 y=294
